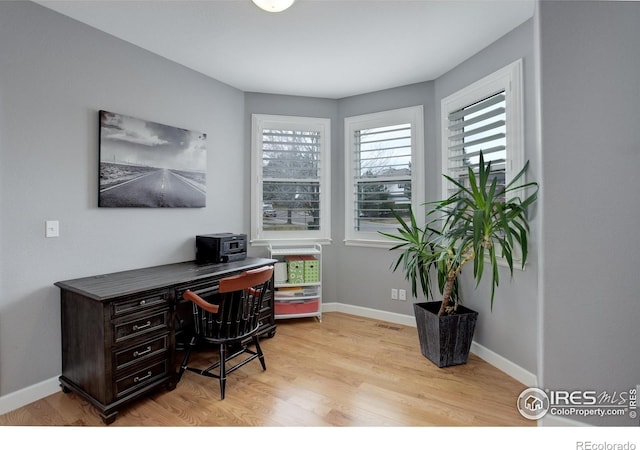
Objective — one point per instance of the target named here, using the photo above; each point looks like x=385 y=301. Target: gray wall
x=590 y=63
x=55 y=75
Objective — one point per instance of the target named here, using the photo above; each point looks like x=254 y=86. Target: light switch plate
x=52 y=228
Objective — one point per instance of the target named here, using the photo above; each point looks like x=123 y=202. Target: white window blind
x=484 y=117
x=382 y=178
x=290 y=161
x=480 y=127
x=291 y=167
x=384 y=172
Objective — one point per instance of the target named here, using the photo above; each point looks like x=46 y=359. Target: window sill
x=368 y=243
x=387 y=245
x=266 y=242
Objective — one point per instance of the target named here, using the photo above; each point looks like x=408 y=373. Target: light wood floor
x=344 y=371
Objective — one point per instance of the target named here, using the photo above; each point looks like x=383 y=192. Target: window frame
x=507 y=79
x=510 y=80
x=259 y=122
x=413 y=115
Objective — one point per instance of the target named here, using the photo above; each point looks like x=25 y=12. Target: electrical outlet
x=394 y=294
x=402 y=295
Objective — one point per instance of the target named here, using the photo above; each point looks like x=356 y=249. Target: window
x=384 y=172
x=487 y=117
x=290 y=166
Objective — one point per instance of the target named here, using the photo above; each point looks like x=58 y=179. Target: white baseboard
x=45 y=388
x=28 y=395
x=370 y=313
x=513 y=370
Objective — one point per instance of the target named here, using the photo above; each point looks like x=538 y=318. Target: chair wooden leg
x=185 y=360
x=259 y=351
x=223 y=370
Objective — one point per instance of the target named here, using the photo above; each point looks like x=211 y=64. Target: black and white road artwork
x=147 y=164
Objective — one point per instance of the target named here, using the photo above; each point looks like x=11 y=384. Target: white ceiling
x=317 y=48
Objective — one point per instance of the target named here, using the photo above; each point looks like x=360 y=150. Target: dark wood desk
x=119 y=329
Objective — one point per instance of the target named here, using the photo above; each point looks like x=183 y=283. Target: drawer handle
x=142 y=327
x=143 y=302
x=143 y=352
x=139 y=379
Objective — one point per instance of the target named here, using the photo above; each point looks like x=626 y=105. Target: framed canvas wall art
x=150 y=165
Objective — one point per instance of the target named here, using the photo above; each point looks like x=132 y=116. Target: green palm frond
x=472 y=224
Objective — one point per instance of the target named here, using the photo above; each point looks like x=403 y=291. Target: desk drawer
x=139 y=304
x=134 y=327
x=145 y=350
x=139 y=378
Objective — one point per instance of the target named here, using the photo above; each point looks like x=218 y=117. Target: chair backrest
x=238 y=302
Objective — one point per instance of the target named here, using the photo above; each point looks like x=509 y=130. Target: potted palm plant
x=478 y=223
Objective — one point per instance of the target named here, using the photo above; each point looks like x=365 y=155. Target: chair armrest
x=202 y=303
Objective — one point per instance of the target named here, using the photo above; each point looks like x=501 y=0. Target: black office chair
x=232 y=324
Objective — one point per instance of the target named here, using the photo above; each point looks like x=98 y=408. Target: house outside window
x=290 y=169
x=485 y=116
x=384 y=172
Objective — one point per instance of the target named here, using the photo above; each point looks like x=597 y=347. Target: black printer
x=220 y=248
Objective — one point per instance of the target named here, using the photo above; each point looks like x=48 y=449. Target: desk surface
x=108 y=286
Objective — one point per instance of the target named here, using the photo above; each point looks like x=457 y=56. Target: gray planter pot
x=446 y=340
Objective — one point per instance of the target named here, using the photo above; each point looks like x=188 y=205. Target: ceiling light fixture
x=273 y=5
